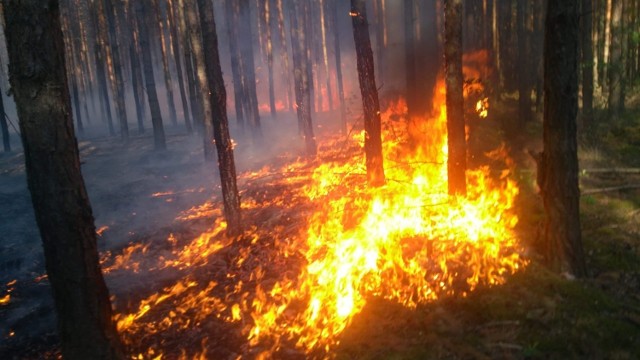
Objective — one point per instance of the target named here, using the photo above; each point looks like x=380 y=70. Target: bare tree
x=558 y=164
x=369 y=91
x=63 y=214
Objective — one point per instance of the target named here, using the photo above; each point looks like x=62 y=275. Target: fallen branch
x=611 y=170
x=609 y=189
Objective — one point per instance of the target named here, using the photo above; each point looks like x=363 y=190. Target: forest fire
x=407 y=242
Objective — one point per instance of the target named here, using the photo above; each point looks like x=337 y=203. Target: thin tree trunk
x=410 y=59
x=6 y=139
x=193 y=24
x=301 y=75
x=196 y=104
x=284 y=52
x=587 y=62
x=60 y=201
x=524 y=88
x=369 y=91
x=558 y=167
x=615 y=61
x=248 y=68
x=607 y=41
x=165 y=64
x=269 y=45
x=171 y=11
x=136 y=83
x=428 y=56
x=238 y=93
x=324 y=23
x=457 y=162
x=336 y=45
x=218 y=110
x=149 y=79
x=112 y=14
x=100 y=61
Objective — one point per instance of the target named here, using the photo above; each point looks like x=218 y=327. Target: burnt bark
x=301 y=76
x=457 y=162
x=150 y=82
x=62 y=210
x=369 y=91
x=558 y=168
x=218 y=103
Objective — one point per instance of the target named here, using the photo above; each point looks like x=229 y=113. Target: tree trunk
x=269 y=45
x=248 y=68
x=558 y=167
x=369 y=91
x=615 y=60
x=587 y=62
x=457 y=162
x=218 y=110
x=112 y=15
x=336 y=45
x=324 y=23
x=232 y=31
x=6 y=139
x=136 y=83
x=60 y=201
x=301 y=76
x=428 y=55
x=410 y=59
x=100 y=61
x=165 y=63
x=284 y=52
x=524 y=87
x=172 y=15
x=150 y=82
x=196 y=105
x=193 y=24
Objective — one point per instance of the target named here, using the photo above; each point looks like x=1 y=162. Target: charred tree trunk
x=336 y=45
x=248 y=67
x=410 y=59
x=112 y=15
x=615 y=60
x=558 y=167
x=60 y=201
x=193 y=24
x=218 y=103
x=165 y=63
x=369 y=91
x=196 y=105
x=428 y=56
x=524 y=87
x=457 y=163
x=100 y=62
x=301 y=76
x=587 y=62
x=136 y=83
x=269 y=46
x=150 y=82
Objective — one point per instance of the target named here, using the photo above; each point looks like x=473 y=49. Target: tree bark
x=558 y=167
x=194 y=100
x=218 y=103
x=112 y=11
x=369 y=91
x=410 y=59
x=247 y=64
x=457 y=162
x=524 y=82
x=336 y=45
x=587 y=62
x=6 y=139
x=60 y=201
x=172 y=15
x=150 y=82
x=165 y=63
x=269 y=46
x=615 y=61
x=301 y=76
x=232 y=31
x=100 y=61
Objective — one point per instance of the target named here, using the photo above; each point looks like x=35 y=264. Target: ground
x=138 y=194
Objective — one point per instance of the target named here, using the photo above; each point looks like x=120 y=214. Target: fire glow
x=407 y=241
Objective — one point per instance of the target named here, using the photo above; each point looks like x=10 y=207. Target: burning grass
x=320 y=245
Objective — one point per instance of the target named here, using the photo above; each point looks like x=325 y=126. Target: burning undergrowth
x=319 y=243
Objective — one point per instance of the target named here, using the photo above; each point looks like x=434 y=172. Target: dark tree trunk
x=369 y=91
x=218 y=104
x=269 y=46
x=165 y=63
x=248 y=68
x=232 y=28
x=587 y=62
x=175 y=39
x=457 y=163
x=284 y=52
x=150 y=82
x=301 y=76
x=410 y=59
x=60 y=201
x=194 y=100
x=6 y=139
x=336 y=44
x=428 y=56
x=524 y=64
x=615 y=60
x=136 y=83
x=111 y=8
x=100 y=61
x=558 y=167
x=193 y=24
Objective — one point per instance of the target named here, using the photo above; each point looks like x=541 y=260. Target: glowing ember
x=482 y=107
x=101 y=230
x=5 y=299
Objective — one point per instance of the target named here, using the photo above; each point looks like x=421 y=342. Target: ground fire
x=408 y=242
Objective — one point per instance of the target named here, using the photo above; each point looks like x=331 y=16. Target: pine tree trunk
x=410 y=60
x=248 y=68
x=284 y=52
x=150 y=82
x=336 y=45
x=524 y=87
x=165 y=64
x=457 y=163
x=301 y=76
x=196 y=105
x=558 y=167
x=587 y=62
x=615 y=61
x=172 y=15
x=269 y=45
x=218 y=110
x=100 y=62
x=193 y=24
x=324 y=24
x=369 y=91
x=4 y=127
x=428 y=56
x=238 y=93
x=112 y=13
x=63 y=214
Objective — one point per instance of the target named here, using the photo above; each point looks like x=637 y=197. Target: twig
x=609 y=189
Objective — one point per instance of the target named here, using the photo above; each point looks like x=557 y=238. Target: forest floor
x=137 y=195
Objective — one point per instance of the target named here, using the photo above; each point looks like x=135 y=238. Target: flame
x=5 y=299
x=407 y=241
x=482 y=107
